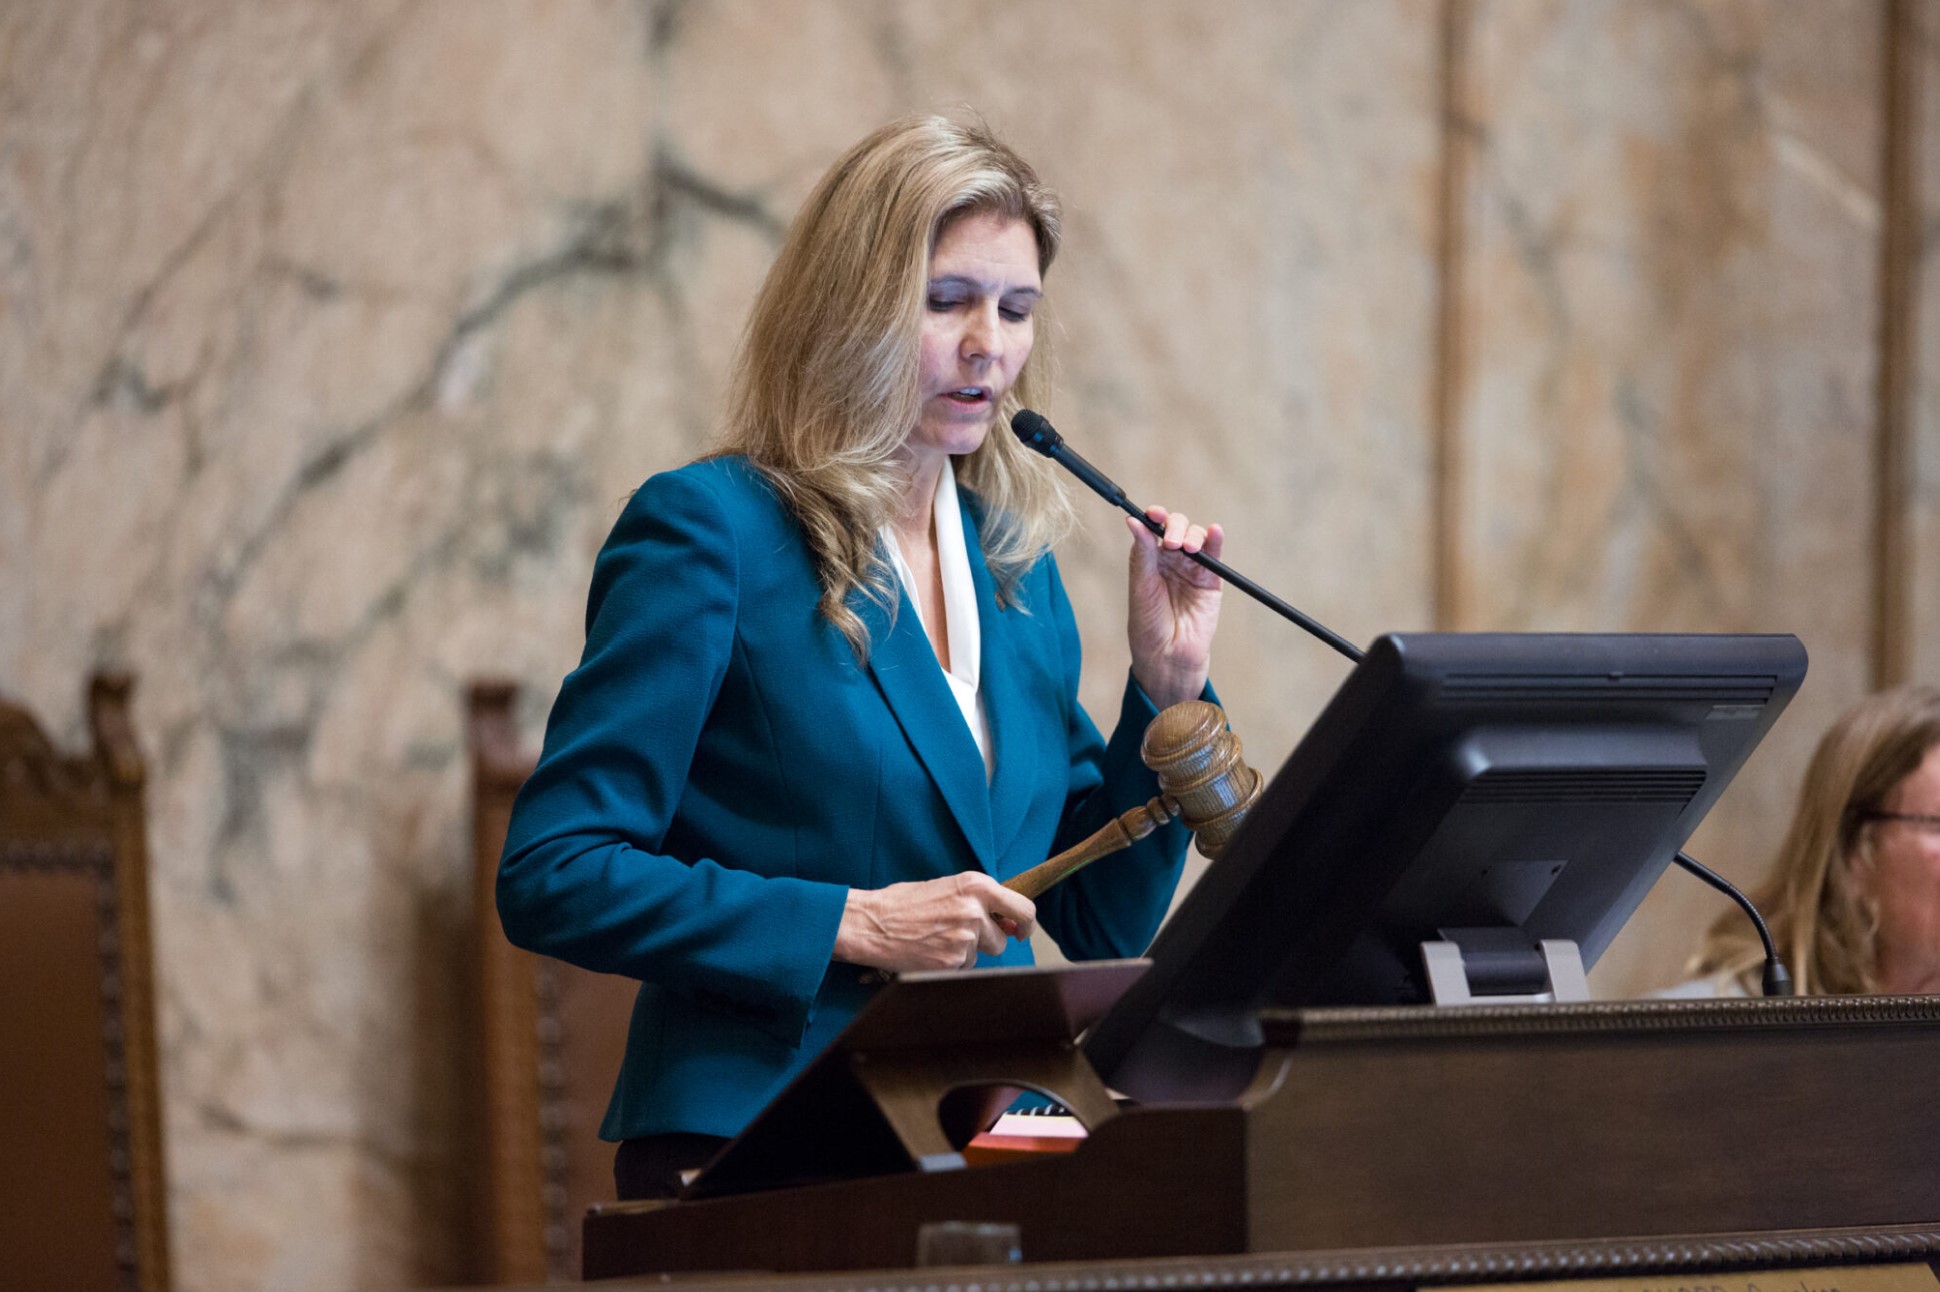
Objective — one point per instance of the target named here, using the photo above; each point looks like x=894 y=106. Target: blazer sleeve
x=1112 y=909
x=582 y=877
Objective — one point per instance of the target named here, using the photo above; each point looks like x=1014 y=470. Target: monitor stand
x=1501 y=967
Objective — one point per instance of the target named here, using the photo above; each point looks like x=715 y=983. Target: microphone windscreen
x=1030 y=426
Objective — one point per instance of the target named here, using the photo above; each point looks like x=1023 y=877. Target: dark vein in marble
x=218 y=1117
x=251 y=758
x=1742 y=66
x=1644 y=498
x=1539 y=251
x=664 y=21
x=613 y=240
x=675 y=181
x=561 y=488
x=312 y=282
x=631 y=237
x=124 y=383
x=272 y=159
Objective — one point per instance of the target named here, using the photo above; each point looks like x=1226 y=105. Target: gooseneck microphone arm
x=1037 y=433
x=1776 y=981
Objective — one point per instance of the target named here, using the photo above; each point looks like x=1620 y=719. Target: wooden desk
x=1423 y=1145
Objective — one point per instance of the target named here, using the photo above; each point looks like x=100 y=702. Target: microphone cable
x=1777 y=980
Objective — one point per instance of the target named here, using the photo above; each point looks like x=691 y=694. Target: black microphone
x=1777 y=981
x=1037 y=433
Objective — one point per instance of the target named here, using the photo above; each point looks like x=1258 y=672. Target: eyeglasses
x=1924 y=821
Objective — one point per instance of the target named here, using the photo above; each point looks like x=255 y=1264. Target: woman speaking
x=828 y=699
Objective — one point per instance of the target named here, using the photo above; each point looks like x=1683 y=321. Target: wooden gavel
x=1203 y=782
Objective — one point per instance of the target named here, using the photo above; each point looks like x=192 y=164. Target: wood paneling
x=1899 y=320
x=1919 y=62
x=1458 y=146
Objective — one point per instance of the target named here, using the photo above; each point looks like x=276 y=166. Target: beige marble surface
x=332 y=336
x=1672 y=312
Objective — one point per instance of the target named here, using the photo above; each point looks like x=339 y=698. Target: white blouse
x=961 y=626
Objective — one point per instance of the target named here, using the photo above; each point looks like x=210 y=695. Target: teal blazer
x=720 y=770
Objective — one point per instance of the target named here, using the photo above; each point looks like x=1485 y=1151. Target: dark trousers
x=650 y=1166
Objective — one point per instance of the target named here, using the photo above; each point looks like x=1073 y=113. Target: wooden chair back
x=82 y=1202
x=552 y=1038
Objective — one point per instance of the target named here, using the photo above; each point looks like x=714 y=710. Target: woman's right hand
x=931 y=923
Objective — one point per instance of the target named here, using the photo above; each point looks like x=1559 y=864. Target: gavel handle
x=1121 y=832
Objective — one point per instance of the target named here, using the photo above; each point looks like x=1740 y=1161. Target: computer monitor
x=1500 y=788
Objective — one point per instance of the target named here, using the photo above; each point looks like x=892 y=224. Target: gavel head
x=1201 y=772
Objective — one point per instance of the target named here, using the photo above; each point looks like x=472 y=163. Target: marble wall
x=1672 y=311
x=333 y=334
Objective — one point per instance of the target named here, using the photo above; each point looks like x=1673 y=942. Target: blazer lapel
x=906 y=671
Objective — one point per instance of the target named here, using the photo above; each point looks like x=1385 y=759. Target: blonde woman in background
x=1854 y=897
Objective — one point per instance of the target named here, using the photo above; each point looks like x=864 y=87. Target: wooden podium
x=1399 y=1145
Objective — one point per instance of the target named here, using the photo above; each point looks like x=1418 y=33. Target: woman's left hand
x=1174 y=606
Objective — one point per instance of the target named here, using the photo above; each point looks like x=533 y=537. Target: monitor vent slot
x=1618 y=785
x=1491 y=688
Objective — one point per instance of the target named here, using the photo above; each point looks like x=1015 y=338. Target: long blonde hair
x=1825 y=928
x=824 y=391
